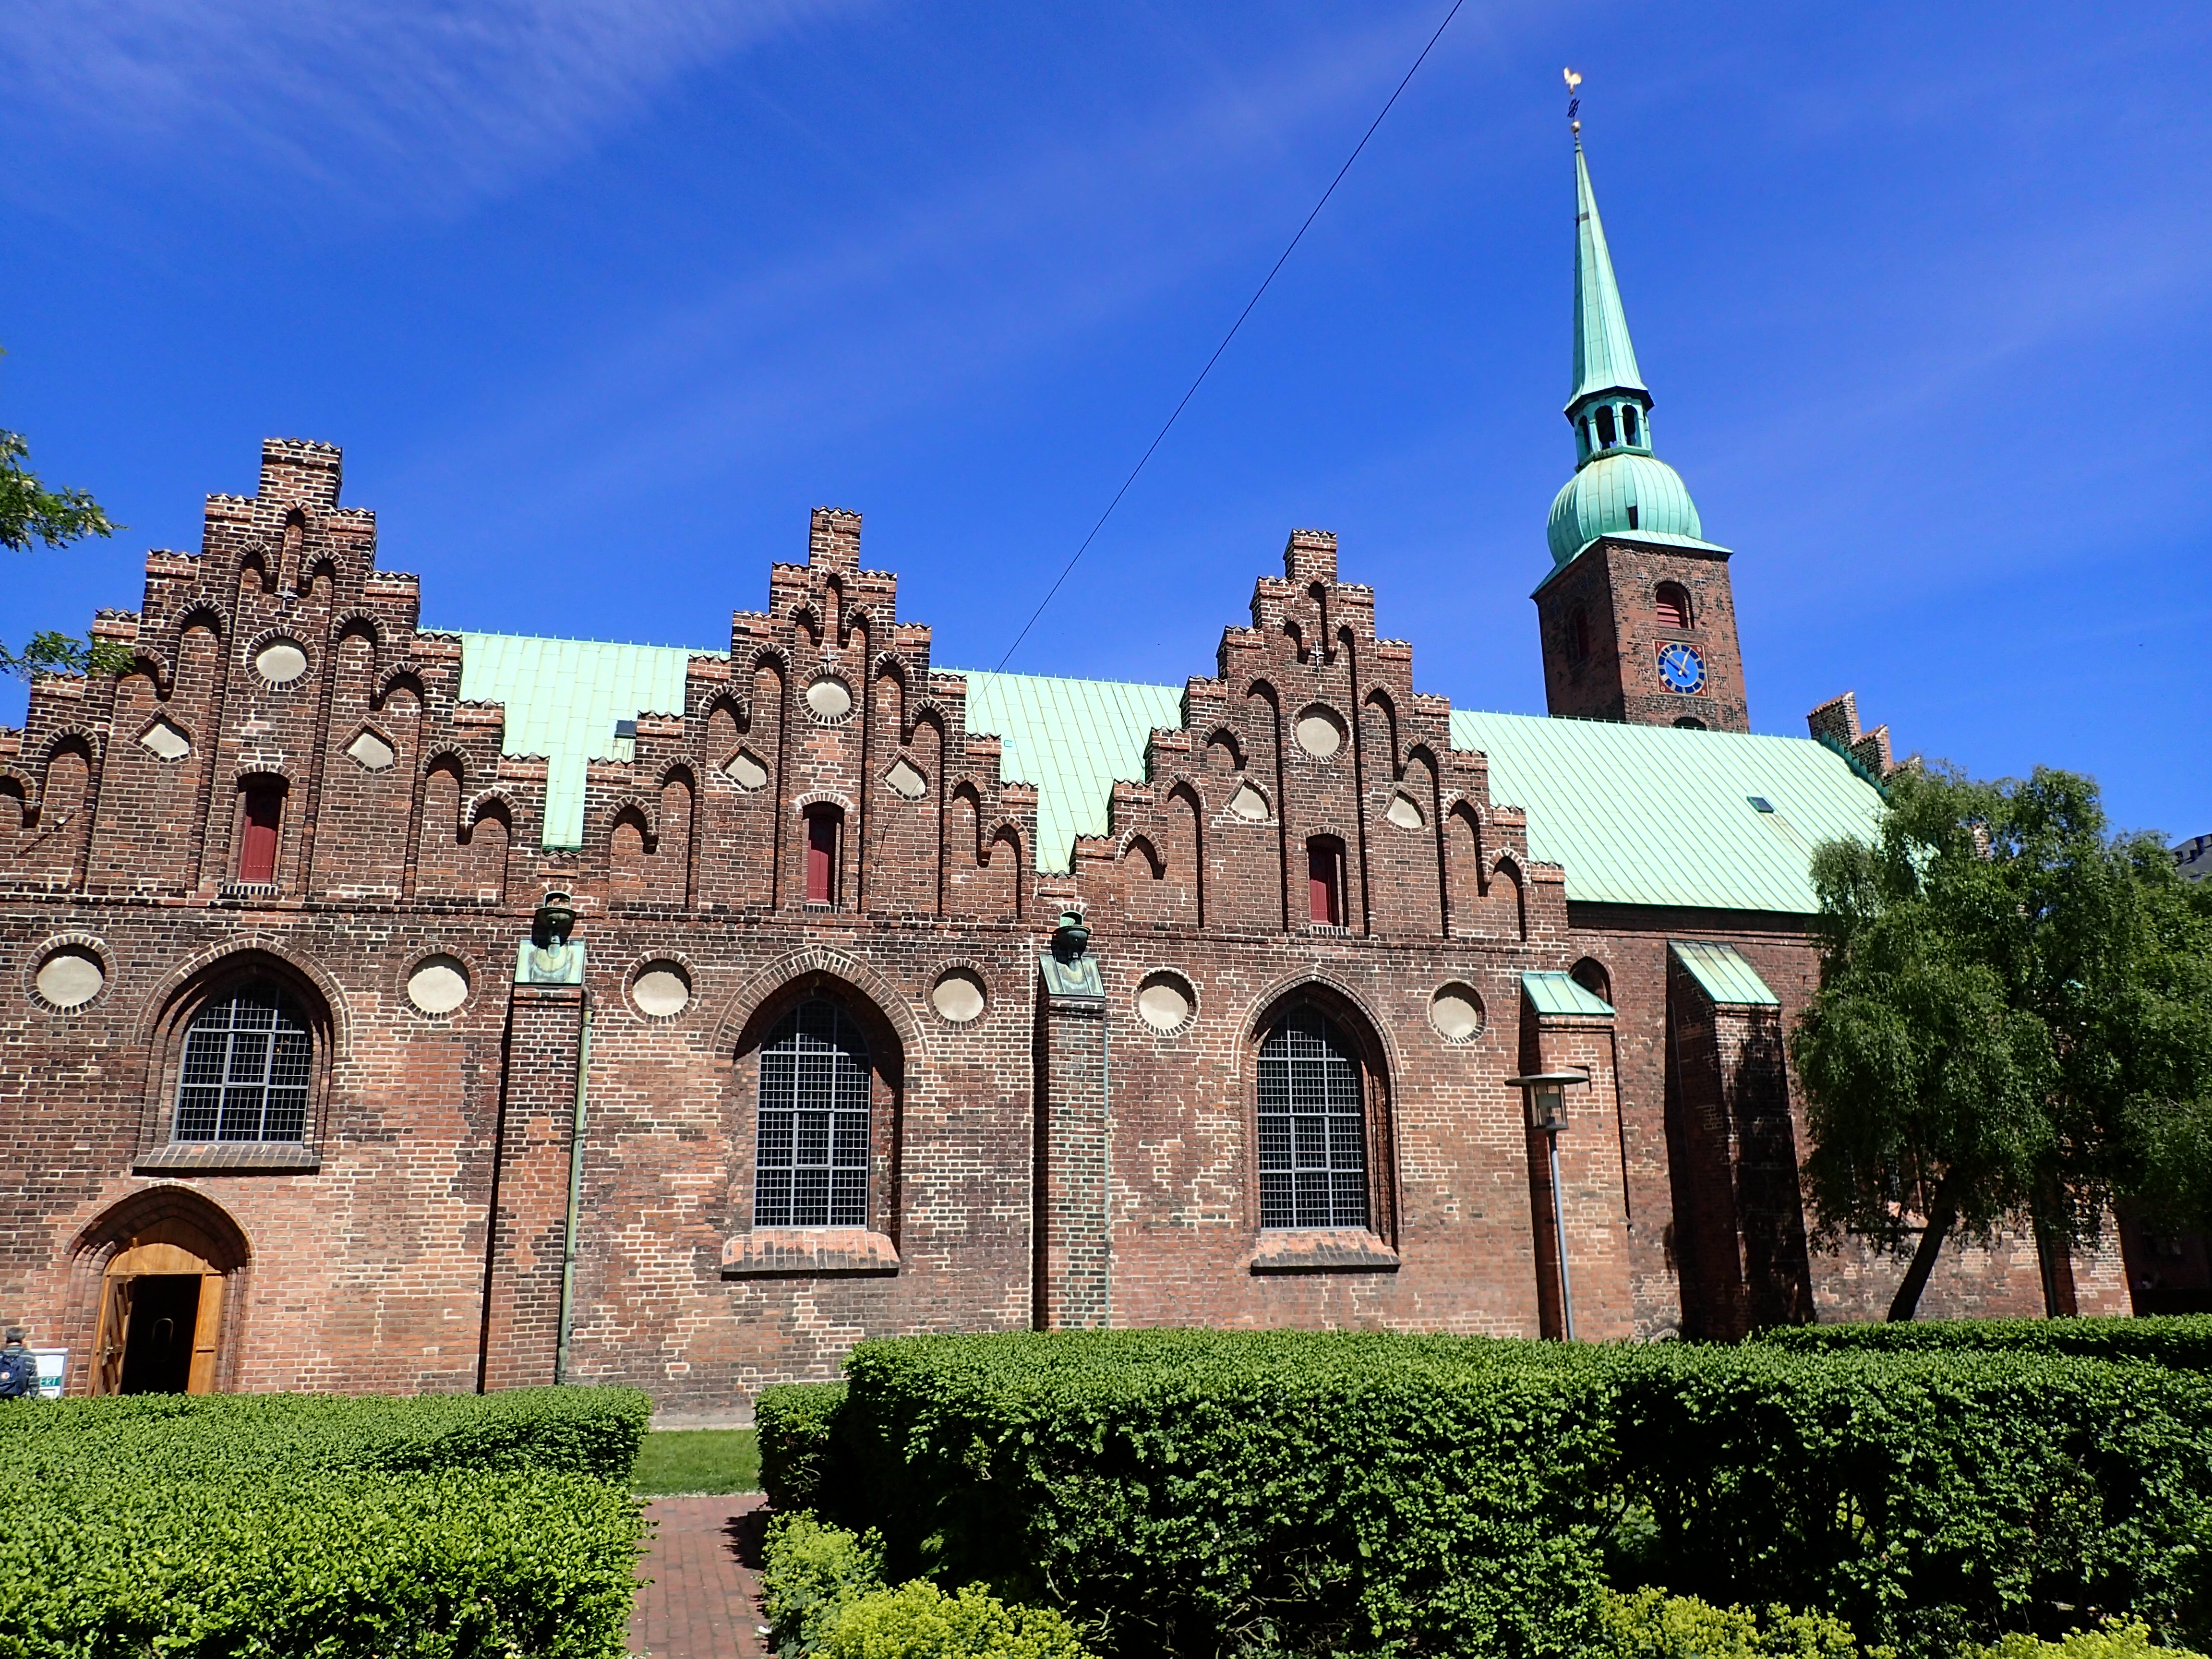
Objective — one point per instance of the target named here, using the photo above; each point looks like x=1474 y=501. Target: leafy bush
x=590 y=1432
x=2181 y=1342
x=2118 y=1639
x=812 y=1571
x=796 y=1423
x=825 y=1596
x=1653 y=1624
x=1365 y=1493
x=208 y=1526
x=918 y=1620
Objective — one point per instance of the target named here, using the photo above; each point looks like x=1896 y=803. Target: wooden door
x=140 y=1261
x=114 y=1323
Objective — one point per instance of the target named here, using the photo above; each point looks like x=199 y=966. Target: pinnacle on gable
x=298 y=472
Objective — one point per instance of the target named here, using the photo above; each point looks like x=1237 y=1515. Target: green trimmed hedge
x=2182 y=1342
x=1363 y=1493
x=796 y=1421
x=269 y=1526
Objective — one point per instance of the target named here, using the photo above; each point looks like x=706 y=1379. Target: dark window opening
x=1628 y=422
x=823 y=826
x=811 y=1147
x=1591 y=975
x=1578 y=636
x=1673 y=602
x=1313 y=1128
x=1325 y=882
x=1631 y=515
x=1690 y=723
x=247 y=1060
x=1605 y=427
x=260 y=822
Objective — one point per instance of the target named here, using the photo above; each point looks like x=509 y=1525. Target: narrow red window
x=257 y=847
x=822 y=827
x=1324 y=883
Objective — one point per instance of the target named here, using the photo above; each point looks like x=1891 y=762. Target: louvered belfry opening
x=1313 y=1126
x=1672 y=603
x=811 y=1164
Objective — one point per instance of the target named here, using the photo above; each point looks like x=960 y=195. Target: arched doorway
x=164 y=1292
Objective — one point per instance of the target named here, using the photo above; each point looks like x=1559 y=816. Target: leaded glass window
x=247 y=1060
x=1313 y=1128
x=810 y=1162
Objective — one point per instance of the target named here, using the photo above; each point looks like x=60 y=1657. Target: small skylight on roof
x=1759 y=803
x=625 y=728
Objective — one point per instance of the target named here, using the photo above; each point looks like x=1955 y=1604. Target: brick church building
x=385 y=1008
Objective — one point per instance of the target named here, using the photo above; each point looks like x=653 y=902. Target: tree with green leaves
x=32 y=515
x=2013 y=1026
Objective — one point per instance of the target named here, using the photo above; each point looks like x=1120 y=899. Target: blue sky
x=600 y=296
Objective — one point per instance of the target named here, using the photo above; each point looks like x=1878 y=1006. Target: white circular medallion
x=439 y=984
x=1319 y=732
x=829 y=698
x=280 y=662
x=1455 y=1011
x=660 y=989
x=1164 y=1001
x=72 y=977
x=958 y=995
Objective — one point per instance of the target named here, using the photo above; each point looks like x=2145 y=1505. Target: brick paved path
x=703 y=1601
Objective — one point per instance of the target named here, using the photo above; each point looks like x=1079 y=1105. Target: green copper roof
x=1652 y=815
x=1638 y=814
x=1728 y=978
x=1072 y=738
x=1605 y=361
x=1598 y=499
x=1562 y=993
x=563 y=697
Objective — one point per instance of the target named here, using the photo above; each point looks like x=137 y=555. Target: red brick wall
x=1029 y=1164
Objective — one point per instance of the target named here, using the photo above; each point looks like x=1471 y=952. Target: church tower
x=1637 y=620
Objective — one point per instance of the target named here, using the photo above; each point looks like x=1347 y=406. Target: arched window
x=1691 y=723
x=248 y=1061
x=811 y=1146
x=1628 y=422
x=1673 y=604
x=260 y=829
x=1313 y=1126
x=1590 y=974
x=1325 y=881
x=1578 y=636
x=826 y=827
x=1605 y=426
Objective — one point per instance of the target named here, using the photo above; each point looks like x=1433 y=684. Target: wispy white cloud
x=435 y=101
x=991 y=272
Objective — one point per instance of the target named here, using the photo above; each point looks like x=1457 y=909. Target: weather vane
x=1574 y=103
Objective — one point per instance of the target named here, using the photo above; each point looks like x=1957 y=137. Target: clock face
x=1681 y=666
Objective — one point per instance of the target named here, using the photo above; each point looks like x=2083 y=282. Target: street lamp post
x=1545 y=1095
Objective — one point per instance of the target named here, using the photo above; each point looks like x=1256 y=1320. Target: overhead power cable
x=1281 y=259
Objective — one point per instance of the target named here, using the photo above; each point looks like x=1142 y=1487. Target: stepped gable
x=1311 y=735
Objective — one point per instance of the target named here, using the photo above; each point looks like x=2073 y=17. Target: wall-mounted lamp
x=1545 y=1096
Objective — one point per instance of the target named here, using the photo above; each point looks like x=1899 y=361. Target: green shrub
x=823 y=1591
x=918 y=1620
x=1653 y=1624
x=2119 y=1639
x=1365 y=1493
x=593 y=1431
x=797 y=1424
x=2181 y=1342
x=812 y=1571
x=266 y=1527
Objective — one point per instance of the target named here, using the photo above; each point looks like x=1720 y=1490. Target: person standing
x=19 y=1368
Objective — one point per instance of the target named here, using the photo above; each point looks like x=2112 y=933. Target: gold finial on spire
x=1574 y=103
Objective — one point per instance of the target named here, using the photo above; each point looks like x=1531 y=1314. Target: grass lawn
x=698 y=1461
